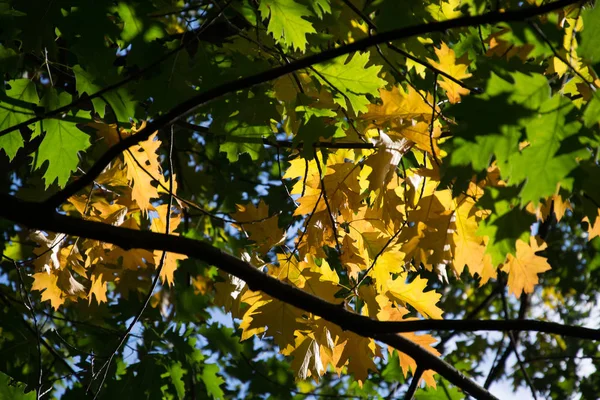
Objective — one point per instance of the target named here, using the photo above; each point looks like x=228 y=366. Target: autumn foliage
x=399 y=173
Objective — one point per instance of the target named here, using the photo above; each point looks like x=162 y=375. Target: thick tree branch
x=35 y=217
x=193 y=103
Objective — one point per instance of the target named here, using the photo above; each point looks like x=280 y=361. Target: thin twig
x=406 y=54
x=29 y=305
x=106 y=365
x=324 y=191
x=137 y=74
x=433 y=121
x=202 y=98
x=543 y=36
x=514 y=345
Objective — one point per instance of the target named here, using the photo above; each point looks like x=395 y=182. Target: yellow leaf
x=169 y=266
x=98 y=289
x=593 y=229
x=390 y=262
x=140 y=160
x=307 y=359
x=413 y=294
x=468 y=247
x=159 y=225
x=47 y=284
x=261 y=228
x=390 y=313
x=289 y=269
x=359 y=353
x=444 y=10
x=324 y=289
x=281 y=319
x=448 y=64
x=522 y=269
x=399 y=105
x=285 y=88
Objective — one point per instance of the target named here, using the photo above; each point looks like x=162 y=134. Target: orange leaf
x=47 y=284
x=523 y=268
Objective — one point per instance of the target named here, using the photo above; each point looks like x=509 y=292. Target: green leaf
x=61 y=144
x=447 y=392
x=549 y=158
x=134 y=26
x=311 y=132
x=9 y=61
x=212 y=381
x=351 y=80
x=244 y=138
x=590 y=36
x=12 y=390
x=591 y=115
x=393 y=371
x=84 y=83
x=176 y=372
x=494 y=130
x=286 y=22
x=527 y=90
x=506 y=223
x=321 y=7
x=16 y=106
x=119 y=100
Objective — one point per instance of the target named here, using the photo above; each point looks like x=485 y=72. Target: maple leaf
x=448 y=64
x=590 y=46
x=545 y=163
x=169 y=265
x=141 y=162
x=428 y=241
x=352 y=80
x=469 y=248
x=524 y=267
x=444 y=10
x=60 y=147
x=15 y=111
x=286 y=22
x=322 y=286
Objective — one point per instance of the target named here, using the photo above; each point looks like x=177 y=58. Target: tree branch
x=33 y=216
x=195 y=102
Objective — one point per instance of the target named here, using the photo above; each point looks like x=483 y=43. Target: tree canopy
x=299 y=199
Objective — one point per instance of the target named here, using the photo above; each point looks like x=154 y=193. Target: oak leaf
x=46 y=282
x=414 y=294
x=260 y=228
x=448 y=64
